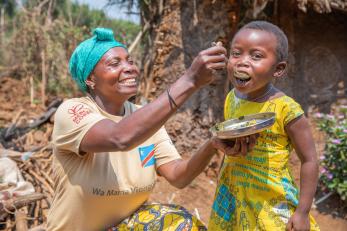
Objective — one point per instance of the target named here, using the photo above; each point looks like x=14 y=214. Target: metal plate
x=244 y=125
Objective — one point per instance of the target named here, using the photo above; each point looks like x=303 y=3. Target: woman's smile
x=128 y=82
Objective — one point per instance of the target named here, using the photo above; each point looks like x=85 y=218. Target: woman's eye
x=131 y=61
x=114 y=63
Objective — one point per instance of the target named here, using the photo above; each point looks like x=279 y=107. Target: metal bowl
x=244 y=125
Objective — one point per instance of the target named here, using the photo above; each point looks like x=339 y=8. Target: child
x=257 y=191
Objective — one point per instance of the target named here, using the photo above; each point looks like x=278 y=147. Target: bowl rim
x=268 y=121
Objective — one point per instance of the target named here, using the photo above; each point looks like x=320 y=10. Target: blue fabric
x=88 y=53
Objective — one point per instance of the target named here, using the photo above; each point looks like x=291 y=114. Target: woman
x=107 y=151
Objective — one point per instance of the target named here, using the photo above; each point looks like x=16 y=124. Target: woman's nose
x=129 y=68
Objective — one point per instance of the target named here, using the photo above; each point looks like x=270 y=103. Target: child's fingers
x=252 y=142
x=233 y=151
x=244 y=145
x=289 y=226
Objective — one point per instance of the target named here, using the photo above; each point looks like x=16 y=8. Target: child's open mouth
x=241 y=78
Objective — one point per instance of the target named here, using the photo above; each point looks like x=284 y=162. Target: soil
x=15 y=106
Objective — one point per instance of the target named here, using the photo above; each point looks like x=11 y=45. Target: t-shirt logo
x=78 y=112
x=147 y=155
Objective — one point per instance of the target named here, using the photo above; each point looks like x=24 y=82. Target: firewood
x=10 y=154
x=18 y=202
x=7 y=185
x=42 y=181
x=21 y=220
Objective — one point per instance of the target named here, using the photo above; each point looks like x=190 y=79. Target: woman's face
x=115 y=75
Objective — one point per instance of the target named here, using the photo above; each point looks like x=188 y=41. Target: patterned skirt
x=157 y=217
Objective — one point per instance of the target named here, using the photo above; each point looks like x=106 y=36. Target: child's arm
x=301 y=138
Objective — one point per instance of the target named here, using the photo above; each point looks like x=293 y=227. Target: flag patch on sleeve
x=147 y=155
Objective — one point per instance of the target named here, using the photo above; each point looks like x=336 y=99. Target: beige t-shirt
x=95 y=190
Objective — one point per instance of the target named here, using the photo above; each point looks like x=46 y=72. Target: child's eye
x=235 y=54
x=257 y=56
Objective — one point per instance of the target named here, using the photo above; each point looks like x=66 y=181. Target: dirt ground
x=198 y=196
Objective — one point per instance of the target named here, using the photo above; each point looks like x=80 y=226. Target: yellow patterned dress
x=160 y=217
x=257 y=192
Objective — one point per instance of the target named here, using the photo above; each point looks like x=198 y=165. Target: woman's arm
x=181 y=172
x=302 y=140
x=133 y=130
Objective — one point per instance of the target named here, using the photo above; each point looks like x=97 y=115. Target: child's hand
x=298 y=222
x=237 y=146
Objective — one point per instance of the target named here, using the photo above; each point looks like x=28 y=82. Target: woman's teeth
x=128 y=82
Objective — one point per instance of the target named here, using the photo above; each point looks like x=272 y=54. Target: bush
x=334 y=161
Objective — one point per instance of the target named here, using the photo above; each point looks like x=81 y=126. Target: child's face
x=252 y=63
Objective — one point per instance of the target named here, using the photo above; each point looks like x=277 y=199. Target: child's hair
x=282 y=41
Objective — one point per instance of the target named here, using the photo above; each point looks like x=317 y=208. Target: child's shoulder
x=290 y=109
x=279 y=96
x=286 y=101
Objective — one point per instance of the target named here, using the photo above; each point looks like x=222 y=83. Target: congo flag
x=147 y=155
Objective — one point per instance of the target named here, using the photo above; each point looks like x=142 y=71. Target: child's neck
x=262 y=96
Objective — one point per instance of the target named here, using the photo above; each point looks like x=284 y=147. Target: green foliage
x=8 y=6
x=83 y=16
x=33 y=44
x=334 y=161
x=44 y=35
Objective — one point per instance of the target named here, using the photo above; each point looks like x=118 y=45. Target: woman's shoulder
x=84 y=99
x=74 y=106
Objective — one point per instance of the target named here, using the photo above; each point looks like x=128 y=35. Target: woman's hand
x=298 y=222
x=200 y=72
x=234 y=147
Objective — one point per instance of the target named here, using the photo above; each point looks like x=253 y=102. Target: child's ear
x=280 y=69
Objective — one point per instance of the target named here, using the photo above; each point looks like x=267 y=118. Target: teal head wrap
x=89 y=52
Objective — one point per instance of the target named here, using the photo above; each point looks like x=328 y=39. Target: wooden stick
x=6 y=185
x=42 y=181
x=32 y=91
x=44 y=78
x=138 y=38
x=48 y=178
x=9 y=224
x=36 y=212
x=44 y=174
x=21 y=221
x=19 y=202
x=10 y=154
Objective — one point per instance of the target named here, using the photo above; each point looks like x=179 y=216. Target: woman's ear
x=90 y=81
x=280 y=69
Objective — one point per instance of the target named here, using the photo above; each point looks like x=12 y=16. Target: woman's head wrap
x=88 y=53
